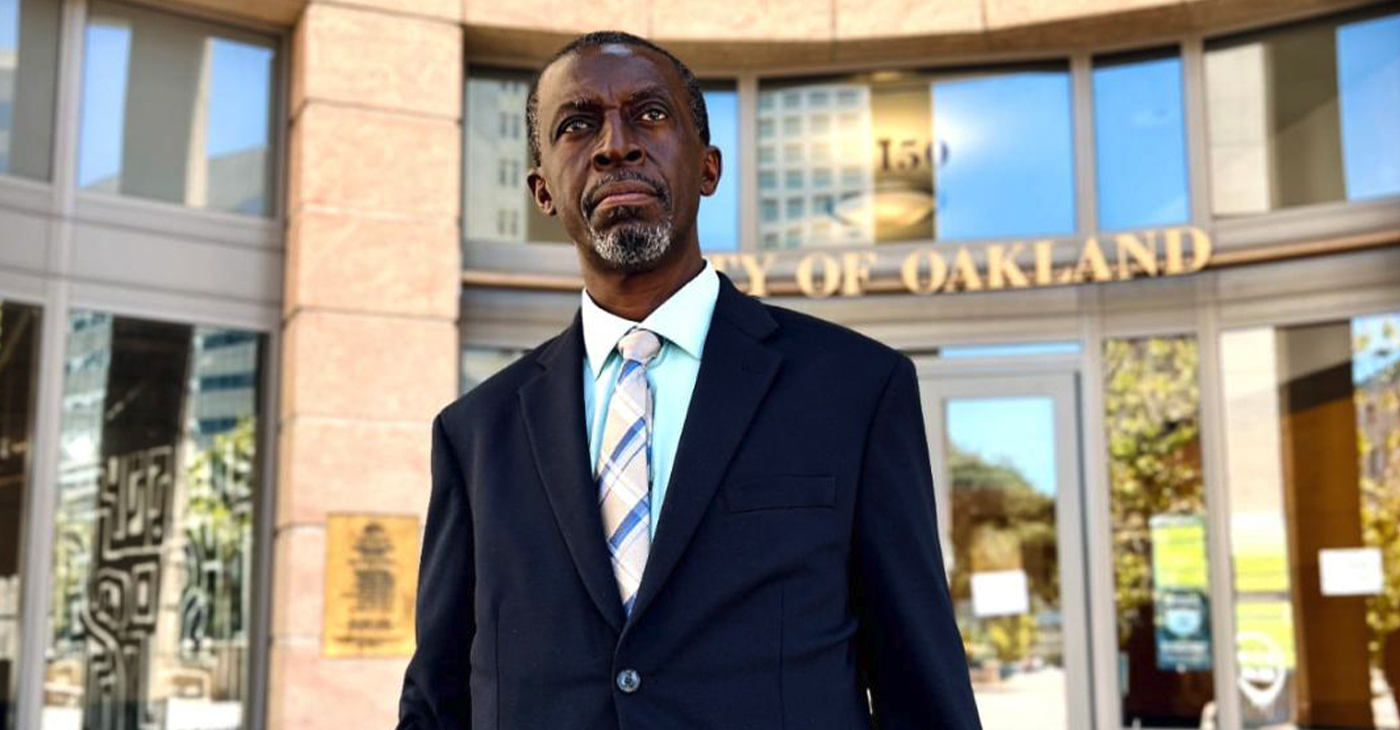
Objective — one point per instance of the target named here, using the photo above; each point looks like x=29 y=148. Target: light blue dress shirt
x=682 y=322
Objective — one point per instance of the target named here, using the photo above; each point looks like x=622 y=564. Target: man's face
x=621 y=163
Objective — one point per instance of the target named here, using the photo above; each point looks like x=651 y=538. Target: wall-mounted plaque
x=371 y=585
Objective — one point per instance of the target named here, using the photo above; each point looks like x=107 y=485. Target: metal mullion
x=747 y=85
x=1098 y=522
x=1197 y=146
x=42 y=502
x=1218 y=552
x=1085 y=155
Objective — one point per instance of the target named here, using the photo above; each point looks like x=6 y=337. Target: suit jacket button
x=629 y=681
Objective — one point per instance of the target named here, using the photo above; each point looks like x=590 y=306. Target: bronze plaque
x=371 y=585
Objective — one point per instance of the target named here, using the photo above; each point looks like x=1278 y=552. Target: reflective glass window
x=1140 y=142
x=718 y=219
x=1312 y=442
x=28 y=72
x=495 y=139
x=1304 y=114
x=1161 y=590
x=19 y=354
x=927 y=155
x=480 y=363
x=153 y=552
x=177 y=110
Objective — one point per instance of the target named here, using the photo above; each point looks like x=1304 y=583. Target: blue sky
x=239 y=95
x=1010 y=165
x=1019 y=432
x=1140 y=144
x=1368 y=74
x=718 y=221
x=1382 y=346
x=9 y=25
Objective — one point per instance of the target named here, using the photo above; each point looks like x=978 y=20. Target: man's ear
x=710 y=168
x=539 y=190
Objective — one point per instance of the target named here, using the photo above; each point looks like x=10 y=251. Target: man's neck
x=634 y=296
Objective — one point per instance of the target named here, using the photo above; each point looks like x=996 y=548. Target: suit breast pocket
x=786 y=491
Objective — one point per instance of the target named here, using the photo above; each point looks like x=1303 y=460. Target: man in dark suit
x=689 y=509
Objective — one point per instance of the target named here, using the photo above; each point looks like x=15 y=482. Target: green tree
x=1377 y=398
x=1151 y=409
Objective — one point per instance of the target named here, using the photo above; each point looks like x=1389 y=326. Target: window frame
x=1263 y=235
x=84 y=251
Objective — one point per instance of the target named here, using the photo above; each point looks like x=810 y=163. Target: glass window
x=793 y=180
x=768 y=210
x=1158 y=510
x=177 y=110
x=718 y=219
x=1304 y=114
x=768 y=180
x=19 y=353
x=495 y=141
x=1140 y=142
x=495 y=100
x=1005 y=576
x=995 y=146
x=480 y=363
x=153 y=547
x=28 y=69
x=1312 y=426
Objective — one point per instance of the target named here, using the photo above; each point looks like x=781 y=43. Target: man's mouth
x=628 y=192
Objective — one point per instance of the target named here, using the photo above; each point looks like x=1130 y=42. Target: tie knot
x=639 y=345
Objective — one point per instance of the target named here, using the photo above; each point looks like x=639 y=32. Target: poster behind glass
x=153 y=544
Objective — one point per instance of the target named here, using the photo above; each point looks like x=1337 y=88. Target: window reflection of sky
x=106 y=54
x=718 y=219
x=1376 y=345
x=1018 y=432
x=1368 y=76
x=239 y=94
x=9 y=26
x=1010 y=164
x=1140 y=144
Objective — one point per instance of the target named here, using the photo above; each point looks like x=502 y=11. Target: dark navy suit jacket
x=796 y=563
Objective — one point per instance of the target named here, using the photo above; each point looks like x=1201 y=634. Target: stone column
x=369 y=326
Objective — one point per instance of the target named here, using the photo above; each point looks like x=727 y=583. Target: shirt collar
x=684 y=319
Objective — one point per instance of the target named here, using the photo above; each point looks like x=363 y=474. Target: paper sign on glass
x=1350 y=571
x=1000 y=593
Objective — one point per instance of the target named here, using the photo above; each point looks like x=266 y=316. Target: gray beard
x=633 y=246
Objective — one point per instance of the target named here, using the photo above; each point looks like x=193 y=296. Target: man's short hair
x=600 y=38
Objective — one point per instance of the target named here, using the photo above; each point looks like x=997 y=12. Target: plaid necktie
x=624 y=492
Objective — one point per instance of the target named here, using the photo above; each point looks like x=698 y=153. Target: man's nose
x=617 y=144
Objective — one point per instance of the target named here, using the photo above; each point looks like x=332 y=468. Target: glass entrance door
x=1005 y=451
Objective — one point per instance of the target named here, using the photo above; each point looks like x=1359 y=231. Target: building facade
x=1145 y=255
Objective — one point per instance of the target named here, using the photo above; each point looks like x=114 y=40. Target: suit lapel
x=552 y=404
x=736 y=371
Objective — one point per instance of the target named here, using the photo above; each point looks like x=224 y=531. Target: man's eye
x=573 y=125
x=655 y=114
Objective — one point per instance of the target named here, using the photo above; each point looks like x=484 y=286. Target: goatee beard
x=633 y=246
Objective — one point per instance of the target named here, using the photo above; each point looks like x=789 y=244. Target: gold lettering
x=964 y=273
x=855 y=272
x=938 y=271
x=757 y=271
x=1002 y=267
x=1144 y=256
x=1092 y=263
x=831 y=275
x=1200 y=250
x=1044 y=259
